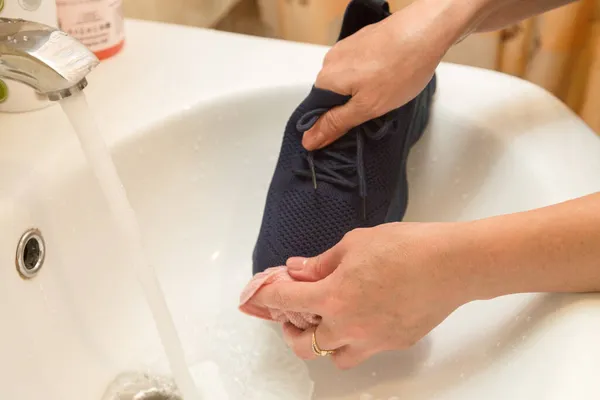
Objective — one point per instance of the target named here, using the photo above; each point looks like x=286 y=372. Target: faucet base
x=16 y=97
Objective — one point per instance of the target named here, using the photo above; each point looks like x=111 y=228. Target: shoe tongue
x=361 y=13
x=347 y=151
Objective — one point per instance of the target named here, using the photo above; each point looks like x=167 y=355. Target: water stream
x=98 y=156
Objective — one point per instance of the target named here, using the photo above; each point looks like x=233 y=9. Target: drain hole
x=142 y=386
x=155 y=394
x=30 y=254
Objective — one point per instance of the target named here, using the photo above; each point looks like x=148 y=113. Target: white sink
x=196 y=169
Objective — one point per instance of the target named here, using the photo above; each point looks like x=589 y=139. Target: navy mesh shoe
x=358 y=181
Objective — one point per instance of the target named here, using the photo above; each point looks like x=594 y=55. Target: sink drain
x=31 y=252
x=141 y=386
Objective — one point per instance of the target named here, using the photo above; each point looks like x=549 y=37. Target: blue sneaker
x=315 y=198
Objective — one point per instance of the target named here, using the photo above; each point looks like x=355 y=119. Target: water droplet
x=434 y=159
x=465 y=196
x=366 y=396
x=394 y=398
x=462 y=375
x=457 y=181
x=25 y=38
x=523 y=337
x=215 y=255
x=196 y=146
x=373 y=373
x=498 y=344
x=517 y=317
x=528 y=318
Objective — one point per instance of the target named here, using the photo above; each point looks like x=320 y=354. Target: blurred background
x=559 y=51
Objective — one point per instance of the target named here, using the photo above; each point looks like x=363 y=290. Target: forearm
x=552 y=249
x=456 y=19
x=502 y=13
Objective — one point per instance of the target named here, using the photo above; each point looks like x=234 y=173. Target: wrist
x=551 y=249
x=453 y=20
x=484 y=258
x=477 y=256
x=458 y=261
x=499 y=256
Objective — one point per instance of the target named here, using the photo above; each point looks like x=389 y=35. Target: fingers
x=316 y=268
x=333 y=124
x=350 y=357
x=300 y=341
x=345 y=356
x=292 y=296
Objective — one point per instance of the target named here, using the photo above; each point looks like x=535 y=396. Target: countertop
x=166 y=69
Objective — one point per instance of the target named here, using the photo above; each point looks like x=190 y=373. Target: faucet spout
x=44 y=58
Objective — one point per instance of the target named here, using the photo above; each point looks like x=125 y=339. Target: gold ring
x=316 y=349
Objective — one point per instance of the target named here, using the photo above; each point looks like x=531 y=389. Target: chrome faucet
x=44 y=58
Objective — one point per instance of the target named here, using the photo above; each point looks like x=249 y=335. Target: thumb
x=334 y=124
x=315 y=268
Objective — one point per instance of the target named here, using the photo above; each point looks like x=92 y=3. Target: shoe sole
x=419 y=122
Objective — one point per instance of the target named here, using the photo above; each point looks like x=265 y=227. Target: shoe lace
x=336 y=163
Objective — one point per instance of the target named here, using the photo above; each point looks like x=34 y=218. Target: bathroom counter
x=194 y=119
x=166 y=69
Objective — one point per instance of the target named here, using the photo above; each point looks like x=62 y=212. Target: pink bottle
x=98 y=24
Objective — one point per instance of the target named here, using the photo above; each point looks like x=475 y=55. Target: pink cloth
x=250 y=306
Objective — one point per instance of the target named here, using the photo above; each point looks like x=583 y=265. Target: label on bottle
x=98 y=24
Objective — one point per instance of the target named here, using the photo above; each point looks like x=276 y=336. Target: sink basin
x=197 y=180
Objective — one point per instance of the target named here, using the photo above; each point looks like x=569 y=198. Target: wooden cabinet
x=309 y=21
x=202 y=13
x=319 y=21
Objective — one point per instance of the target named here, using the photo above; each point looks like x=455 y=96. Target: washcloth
x=249 y=305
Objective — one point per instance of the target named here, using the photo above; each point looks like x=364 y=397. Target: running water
x=78 y=112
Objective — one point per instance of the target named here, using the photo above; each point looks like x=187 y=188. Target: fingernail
x=313 y=140
x=296 y=263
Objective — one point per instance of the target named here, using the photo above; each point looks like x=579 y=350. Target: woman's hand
x=378 y=289
x=384 y=288
x=385 y=65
